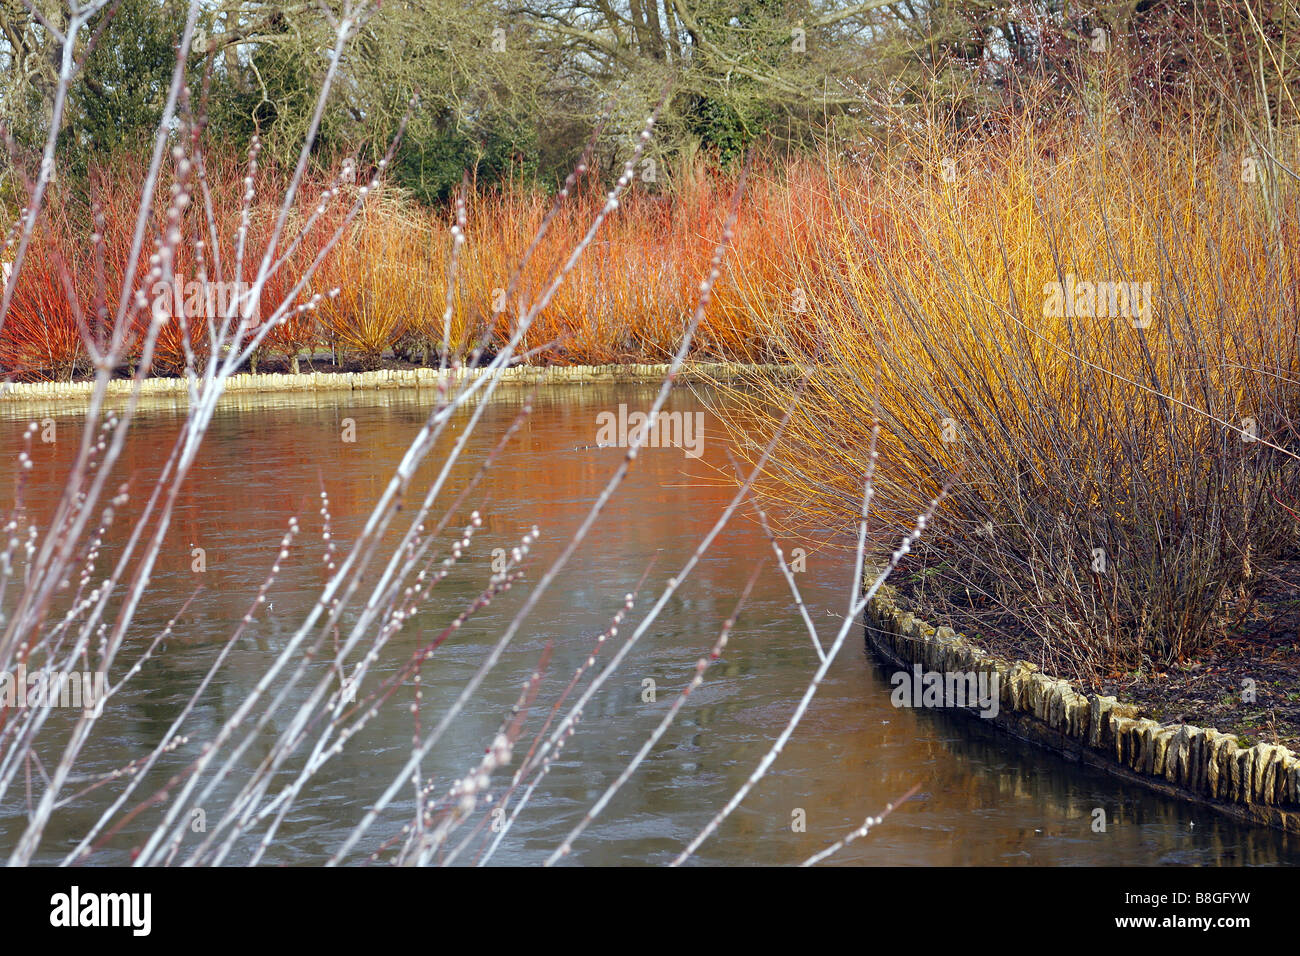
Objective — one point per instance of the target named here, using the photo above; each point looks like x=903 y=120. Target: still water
x=984 y=798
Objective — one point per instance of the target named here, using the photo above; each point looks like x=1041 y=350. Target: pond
x=985 y=799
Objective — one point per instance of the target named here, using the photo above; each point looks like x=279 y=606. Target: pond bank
x=411 y=378
x=1260 y=784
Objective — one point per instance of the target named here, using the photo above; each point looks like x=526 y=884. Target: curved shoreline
x=416 y=378
x=1259 y=784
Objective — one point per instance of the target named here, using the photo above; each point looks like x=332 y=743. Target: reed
x=41 y=340
x=627 y=302
x=381 y=282
x=1124 y=462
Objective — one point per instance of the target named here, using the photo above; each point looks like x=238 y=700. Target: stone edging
x=1260 y=784
x=246 y=383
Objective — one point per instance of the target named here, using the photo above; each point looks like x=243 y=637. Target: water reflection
x=986 y=799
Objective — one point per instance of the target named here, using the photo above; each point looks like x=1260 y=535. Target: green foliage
x=519 y=90
x=724 y=128
x=431 y=167
x=124 y=84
